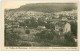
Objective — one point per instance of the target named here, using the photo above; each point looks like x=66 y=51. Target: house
x=64 y=19
x=67 y=28
x=62 y=27
x=41 y=28
x=33 y=31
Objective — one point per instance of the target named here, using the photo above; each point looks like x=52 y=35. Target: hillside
x=47 y=7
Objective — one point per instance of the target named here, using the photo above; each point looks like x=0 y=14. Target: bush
x=46 y=35
x=11 y=39
x=49 y=26
x=74 y=28
x=27 y=32
x=25 y=44
x=69 y=39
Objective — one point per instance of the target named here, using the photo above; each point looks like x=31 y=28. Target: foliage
x=26 y=22
x=48 y=35
x=27 y=31
x=22 y=24
x=25 y=44
x=41 y=21
x=31 y=22
x=11 y=38
x=69 y=39
x=50 y=26
x=74 y=28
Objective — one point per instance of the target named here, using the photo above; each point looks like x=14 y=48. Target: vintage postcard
x=40 y=25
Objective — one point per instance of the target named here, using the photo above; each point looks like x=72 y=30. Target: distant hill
x=48 y=7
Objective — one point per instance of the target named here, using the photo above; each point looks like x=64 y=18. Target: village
x=33 y=26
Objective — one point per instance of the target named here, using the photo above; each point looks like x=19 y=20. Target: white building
x=67 y=28
x=41 y=28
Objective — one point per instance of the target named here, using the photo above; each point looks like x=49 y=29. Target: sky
x=17 y=4
x=12 y=5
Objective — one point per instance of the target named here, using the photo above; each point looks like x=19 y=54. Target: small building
x=63 y=27
x=41 y=28
x=33 y=31
x=64 y=19
x=67 y=27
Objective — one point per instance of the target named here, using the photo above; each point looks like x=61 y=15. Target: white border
x=39 y=53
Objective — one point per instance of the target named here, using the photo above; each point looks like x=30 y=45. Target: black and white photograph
x=40 y=24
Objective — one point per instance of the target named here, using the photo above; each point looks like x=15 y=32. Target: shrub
x=69 y=39
x=27 y=32
x=74 y=28
x=11 y=39
x=25 y=44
